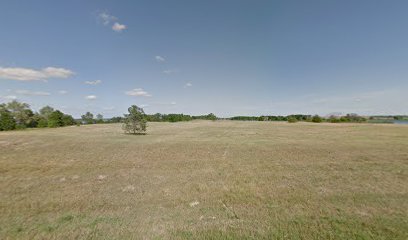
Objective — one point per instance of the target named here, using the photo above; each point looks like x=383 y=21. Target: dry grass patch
x=206 y=180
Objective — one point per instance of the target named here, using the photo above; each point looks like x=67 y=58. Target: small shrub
x=7 y=121
x=292 y=120
x=317 y=119
x=42 y=123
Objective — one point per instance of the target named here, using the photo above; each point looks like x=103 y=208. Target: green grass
x=206 y=180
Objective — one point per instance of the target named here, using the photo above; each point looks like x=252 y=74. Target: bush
x=334 y=119
x=292 y=120
x=55 y=119
x=7 y=121
x=317 y=119
x=42 y=123
x=68 y=120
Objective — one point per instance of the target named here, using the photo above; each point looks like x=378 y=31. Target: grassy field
x=206 y=180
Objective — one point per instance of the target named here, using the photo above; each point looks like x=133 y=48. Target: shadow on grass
x=135 y=133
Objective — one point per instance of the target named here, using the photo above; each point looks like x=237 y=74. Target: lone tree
x=88 y=118
x=135 y=121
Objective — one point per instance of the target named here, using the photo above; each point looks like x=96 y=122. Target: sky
x=228 y=57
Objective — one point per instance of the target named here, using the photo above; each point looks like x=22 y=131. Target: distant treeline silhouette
x=18 y=115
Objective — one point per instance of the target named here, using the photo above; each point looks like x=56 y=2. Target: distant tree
x=99 y=118
x=334 y=119
x=7 y=121
x=21 y=113
x=211 y=116
x=115 y=120
x=316 y=119
x=353 y=117
x=55 y=119
x=46 y=111
x=135 y=121
x=68 y=120
x=88 y=118
x=42 y=122
x=292 y=120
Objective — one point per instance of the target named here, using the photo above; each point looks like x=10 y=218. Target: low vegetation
x=16 y=115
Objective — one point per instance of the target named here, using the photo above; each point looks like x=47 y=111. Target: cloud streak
x=138 y=92
x=160 y=59
x=28 y=74
x=90 y=97
x=170 y=71
x=96 y=82
x=32 y=93
x=9 y=97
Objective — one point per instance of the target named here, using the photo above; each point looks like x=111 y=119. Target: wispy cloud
x=164 y=103
x=90 y=97
x=8 y=97
x=28 y=74
x=144 y=105
x=62 y=92
x=117 y=27
x=170 y=71
x=108 y=19
x=187 y=85
x=96 y=82
x=32 y=93
x=138 y=92
x=160 y=59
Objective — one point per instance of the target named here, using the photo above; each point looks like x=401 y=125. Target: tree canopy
x=135 y=121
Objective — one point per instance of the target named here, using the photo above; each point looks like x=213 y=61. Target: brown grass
x=206 y=180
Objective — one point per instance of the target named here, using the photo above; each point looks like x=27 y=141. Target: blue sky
x=196 y=57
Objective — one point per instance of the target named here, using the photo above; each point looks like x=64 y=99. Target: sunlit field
x=206 y=180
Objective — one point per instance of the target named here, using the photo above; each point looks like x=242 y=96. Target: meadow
x=206 y=180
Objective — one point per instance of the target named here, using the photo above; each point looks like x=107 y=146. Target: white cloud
x=117 y=27
x=9 y=97
x=160 y=59
x=144 y=105
x=106 y=18
x=96 y=82
x=62 y=92
x=170 y=71
x=90 y=97
x=187 y=85
x=28 y=74
x=138 y=92
x=32 y=93
x=164 y=103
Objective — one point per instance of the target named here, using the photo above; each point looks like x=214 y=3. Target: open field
x=206 y=180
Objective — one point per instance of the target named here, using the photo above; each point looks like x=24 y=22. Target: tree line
x=173 y=117
x=17 y=115
x=351 y=117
